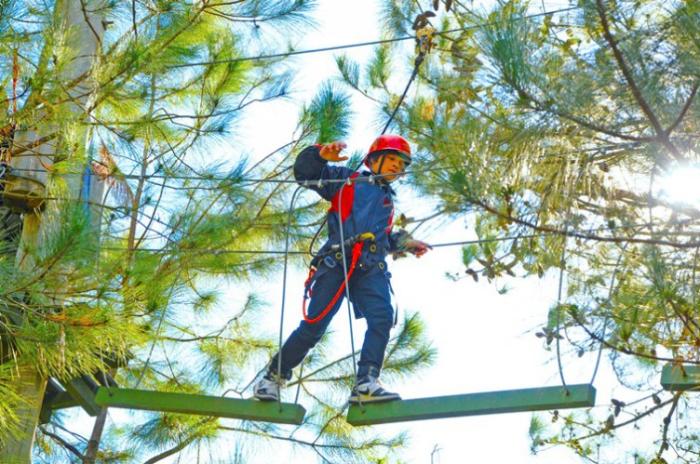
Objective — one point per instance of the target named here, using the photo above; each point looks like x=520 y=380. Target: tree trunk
x=81 y=18
x=30 y=386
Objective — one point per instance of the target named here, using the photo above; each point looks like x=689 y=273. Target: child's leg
x=370 y=292
x=307 y=335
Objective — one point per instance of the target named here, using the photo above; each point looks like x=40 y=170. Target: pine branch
x=667 y=422
x=174 y=450
x=569 y=233
x=661 y=135
x=58 y=439
x=620 y=349
x=616 y=426
x=684 y=110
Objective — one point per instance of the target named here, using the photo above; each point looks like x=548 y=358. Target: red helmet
x=388 y=143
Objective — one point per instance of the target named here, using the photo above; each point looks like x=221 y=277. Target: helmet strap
x=381 y=163
x=379 y=168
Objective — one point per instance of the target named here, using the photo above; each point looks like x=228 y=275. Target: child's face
x=392 y=164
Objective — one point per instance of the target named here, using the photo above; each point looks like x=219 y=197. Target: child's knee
x=381 y=320
x=311 y=333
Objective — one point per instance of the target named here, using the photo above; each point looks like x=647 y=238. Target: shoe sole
x=265 y=398
x=373 y=399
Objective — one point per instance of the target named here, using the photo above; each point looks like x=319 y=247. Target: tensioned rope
x=246 y=180
x=607 y=315
x=605 y=149
x=562 y=268
x=346 y=278
x=559 y=303
x=365 y=44
x=292 y=252
x=223 y=251
x=284 y=291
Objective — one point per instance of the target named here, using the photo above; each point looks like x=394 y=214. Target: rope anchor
x=425 y=33
x=424 y=39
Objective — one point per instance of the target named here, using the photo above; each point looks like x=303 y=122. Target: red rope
x=356 y=252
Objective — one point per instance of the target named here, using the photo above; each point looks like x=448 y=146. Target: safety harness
x=357 y=242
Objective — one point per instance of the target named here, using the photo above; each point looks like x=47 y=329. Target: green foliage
x=9 y=406
x=328 y=115
x=378 y=68
x=408 y=351
x=397 y=16
x=349 y=70
x=553 y=131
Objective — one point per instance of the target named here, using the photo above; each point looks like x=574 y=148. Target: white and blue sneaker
x=369 y=390
x=268 y=388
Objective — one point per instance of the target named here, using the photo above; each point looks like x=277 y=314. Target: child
x=364 y=209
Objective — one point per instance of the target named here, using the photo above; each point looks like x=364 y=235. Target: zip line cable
x=292 y=252
x=241 y=180
x=244 y=180
x=282 y=252
x=364 y=44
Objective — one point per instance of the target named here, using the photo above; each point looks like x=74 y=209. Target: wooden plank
x=676 y=377
x=185 y=403
x=472 y=404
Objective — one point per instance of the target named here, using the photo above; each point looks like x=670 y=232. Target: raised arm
x=311 y=166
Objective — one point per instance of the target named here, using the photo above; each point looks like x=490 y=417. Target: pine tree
x=126 y=281
x=553 y=131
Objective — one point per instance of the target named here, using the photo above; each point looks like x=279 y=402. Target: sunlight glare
x=682 y=185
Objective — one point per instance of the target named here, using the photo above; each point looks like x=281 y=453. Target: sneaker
x=268 y=388
x=369 y=390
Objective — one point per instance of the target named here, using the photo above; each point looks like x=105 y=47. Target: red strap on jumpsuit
x=356 y=252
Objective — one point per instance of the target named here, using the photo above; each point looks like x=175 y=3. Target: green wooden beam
x=185 y=403
x=83 y=389
x=59 y=401
x=677 y=377
x=472 y=404
x=55 y=397
x=62 y=401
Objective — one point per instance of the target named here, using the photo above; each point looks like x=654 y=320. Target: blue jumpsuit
x=365 y=207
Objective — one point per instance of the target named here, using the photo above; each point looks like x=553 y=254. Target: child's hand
x=417 y=248
x=331 y=151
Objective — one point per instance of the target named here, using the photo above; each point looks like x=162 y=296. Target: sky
x=485 y=340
